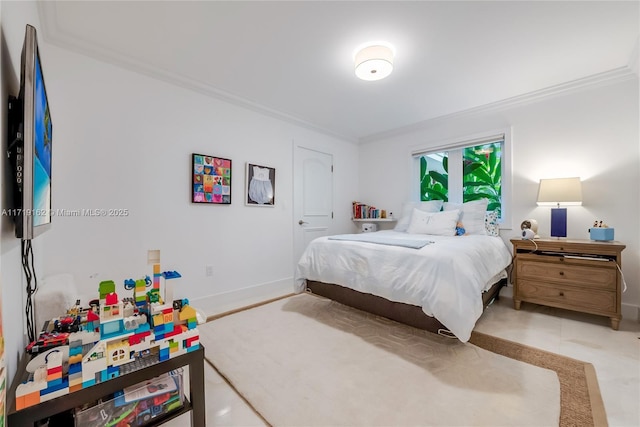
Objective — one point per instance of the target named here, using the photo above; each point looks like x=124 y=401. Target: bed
x=442 y=286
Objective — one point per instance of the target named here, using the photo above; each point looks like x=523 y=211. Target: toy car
x=67 y=324
x=47 y=340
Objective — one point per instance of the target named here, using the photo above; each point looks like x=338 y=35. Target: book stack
x=364 y=211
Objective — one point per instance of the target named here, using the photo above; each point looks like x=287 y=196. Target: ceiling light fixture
x=374 y=61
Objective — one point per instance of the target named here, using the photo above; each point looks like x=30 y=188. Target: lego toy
x=168 y=286
x=111 y=338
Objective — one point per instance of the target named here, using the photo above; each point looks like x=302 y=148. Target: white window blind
x=460 y=144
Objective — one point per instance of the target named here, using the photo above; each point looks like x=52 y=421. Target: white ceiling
x=294 y=59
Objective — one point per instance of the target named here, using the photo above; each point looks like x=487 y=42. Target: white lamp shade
x=560 y=191
x=374 y=62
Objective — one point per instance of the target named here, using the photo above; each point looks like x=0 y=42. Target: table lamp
x=557 y=191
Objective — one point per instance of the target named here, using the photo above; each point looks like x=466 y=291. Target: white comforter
x=445 y=278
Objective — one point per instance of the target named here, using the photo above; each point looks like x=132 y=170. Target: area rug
x=308 y=361
x=581 y=403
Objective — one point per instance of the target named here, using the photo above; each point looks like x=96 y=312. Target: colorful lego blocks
x=120 y=336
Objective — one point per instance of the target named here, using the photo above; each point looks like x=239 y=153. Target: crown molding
x=55 y=35
x=617 y=75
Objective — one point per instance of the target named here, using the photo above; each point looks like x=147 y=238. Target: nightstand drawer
x=591 y=277
x=567 y=296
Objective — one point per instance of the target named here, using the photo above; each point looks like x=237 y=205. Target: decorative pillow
x=491 y=223
x=438 y=223
x=471 y=215
x=407 y=210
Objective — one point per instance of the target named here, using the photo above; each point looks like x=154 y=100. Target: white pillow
x=491 y=225
x=471 y=215
x=407 y=210
x=438 y=223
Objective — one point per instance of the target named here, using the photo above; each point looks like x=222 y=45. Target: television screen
x=42 y=151
x=30 y=150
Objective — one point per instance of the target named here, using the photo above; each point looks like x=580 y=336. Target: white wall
x=592 y=134
x=124 y=141
x=15 y=15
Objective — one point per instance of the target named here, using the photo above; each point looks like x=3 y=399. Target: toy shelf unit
x=195 y=402
x=89 y=353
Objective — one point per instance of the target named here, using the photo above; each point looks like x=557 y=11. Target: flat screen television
x=30 y=139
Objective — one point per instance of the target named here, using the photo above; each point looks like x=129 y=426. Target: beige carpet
x=304 y=361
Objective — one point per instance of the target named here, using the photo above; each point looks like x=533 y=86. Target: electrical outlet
x=209 y=270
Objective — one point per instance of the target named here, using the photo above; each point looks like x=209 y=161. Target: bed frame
x=404 y=313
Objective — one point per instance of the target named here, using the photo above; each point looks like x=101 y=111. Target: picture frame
x=210 y=179
x=260 y=185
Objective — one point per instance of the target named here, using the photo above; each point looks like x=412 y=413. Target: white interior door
x=312 y=196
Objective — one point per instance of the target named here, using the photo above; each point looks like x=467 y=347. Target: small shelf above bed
x=373 y=219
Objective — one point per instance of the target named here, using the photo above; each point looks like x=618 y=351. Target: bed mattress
x=446 y=278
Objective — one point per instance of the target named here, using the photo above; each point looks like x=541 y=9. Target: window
x=466 y=170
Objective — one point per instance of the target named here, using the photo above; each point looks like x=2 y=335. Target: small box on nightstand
x=601 y=234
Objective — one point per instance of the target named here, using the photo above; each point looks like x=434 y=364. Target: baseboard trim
x=507 y=291
x=215 y=304
x=631 y=312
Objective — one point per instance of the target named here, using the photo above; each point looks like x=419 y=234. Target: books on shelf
x=364 y=211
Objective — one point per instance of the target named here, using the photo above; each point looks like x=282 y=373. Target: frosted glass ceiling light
x=374 y=62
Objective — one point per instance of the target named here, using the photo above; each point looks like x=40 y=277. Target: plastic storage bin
x=602 y=234
x=137 y=405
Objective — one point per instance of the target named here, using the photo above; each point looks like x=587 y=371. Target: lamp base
x=559 y=222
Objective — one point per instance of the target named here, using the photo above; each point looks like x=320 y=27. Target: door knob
x=302 y=222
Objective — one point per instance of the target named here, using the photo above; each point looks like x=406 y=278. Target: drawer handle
x=562 y=273
x=561 y=294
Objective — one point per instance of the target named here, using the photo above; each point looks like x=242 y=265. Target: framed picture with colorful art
x=211 y=180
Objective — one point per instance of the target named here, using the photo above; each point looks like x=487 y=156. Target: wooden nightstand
x=580 y=275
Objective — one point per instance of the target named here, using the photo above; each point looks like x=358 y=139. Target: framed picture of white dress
x=261 y=185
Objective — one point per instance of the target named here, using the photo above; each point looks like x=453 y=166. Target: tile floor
x=614 y=354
